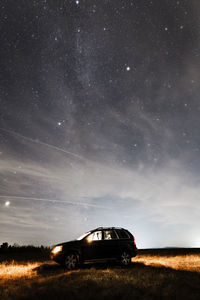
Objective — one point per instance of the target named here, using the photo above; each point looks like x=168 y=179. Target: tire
x=125 y=258
x=70 y=261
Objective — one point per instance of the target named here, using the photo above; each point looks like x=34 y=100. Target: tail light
x=134 y=240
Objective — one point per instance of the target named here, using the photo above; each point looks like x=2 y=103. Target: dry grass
x=14 y=270
x=179 y=262
x=149 y=277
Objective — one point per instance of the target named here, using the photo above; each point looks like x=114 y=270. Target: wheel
x=125 y=258
x=71 y=261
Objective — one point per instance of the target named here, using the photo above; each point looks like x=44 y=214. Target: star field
x=99 y=119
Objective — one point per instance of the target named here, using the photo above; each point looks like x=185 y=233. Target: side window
x=95 y=236
x=109 y=235
x=122 y=234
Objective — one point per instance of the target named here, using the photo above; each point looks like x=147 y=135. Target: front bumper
x=58 y=257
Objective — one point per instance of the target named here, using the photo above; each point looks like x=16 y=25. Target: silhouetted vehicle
x=101 y=244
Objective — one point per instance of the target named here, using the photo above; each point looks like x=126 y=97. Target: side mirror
x=88 y=240
x=85 y=240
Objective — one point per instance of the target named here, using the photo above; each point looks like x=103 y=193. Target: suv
x=100 y=244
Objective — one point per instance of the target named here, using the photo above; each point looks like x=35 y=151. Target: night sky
x=100 y=120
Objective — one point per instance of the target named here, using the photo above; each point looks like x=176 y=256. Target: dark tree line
x=5 y=248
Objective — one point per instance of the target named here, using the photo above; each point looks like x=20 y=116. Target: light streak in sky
x=52 y=201
x=42 y=143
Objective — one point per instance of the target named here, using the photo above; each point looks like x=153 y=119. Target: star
x=77 y=2
x=128 y=68
x=7 y=203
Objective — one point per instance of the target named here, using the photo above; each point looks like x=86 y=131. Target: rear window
x=122 y=234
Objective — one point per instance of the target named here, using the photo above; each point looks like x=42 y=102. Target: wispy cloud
x=95 y=190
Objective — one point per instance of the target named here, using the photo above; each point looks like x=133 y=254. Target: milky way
x=99 y=120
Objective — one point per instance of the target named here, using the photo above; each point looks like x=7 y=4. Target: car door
x=124 y=240
x=110 y=243
x=92 y=248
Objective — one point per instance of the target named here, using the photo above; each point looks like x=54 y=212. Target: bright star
x=128 y=68
x=7 y=203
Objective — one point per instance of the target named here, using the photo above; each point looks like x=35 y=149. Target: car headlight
x=57 y=249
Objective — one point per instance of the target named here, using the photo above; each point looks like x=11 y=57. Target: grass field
x=152 y=275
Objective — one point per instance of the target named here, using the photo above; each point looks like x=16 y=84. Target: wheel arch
x=70 y=251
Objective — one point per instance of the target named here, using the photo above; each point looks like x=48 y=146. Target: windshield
x=82 y=236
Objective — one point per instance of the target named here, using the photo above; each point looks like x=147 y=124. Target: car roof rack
x=107 y=227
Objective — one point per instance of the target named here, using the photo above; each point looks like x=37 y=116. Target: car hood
x=69 y=244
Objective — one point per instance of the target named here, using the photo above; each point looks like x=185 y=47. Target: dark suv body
x=100 y=244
